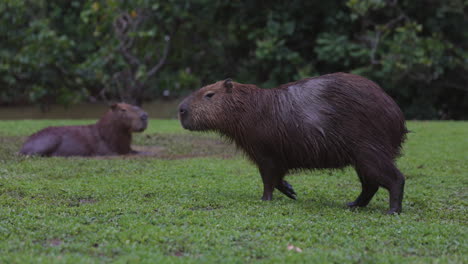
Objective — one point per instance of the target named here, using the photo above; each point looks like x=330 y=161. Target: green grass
x=197 y=201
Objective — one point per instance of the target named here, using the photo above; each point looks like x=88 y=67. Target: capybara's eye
x=209 y=94
x=123 y=109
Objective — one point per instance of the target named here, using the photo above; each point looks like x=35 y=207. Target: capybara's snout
x=144 y=117
x=144 y=122
x=184 y=115
x=183 y=109
x=140 y=121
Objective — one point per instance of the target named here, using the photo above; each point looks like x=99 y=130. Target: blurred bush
x=70 y=51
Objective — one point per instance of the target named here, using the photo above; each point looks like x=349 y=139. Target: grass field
x=197 y=200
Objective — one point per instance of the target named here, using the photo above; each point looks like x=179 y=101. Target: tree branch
x=123 y=25
x=374 y=46
x=379 y=30
x=163 y=58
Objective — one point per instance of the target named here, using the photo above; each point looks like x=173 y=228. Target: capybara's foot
x=287 y=189
x=394 y=211
x=355 y=204
x=267 y=197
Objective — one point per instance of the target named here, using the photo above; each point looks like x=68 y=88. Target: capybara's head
x=130 y=116
x=205 y=108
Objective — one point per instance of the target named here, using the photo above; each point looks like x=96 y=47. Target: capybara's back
x=368 y=114
x=342 y=117
x=330 y=121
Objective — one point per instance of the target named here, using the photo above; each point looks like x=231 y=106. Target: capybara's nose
x=183 y=110
x=144 y=116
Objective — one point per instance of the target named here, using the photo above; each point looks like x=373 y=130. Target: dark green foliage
x=37 y=61
x=66 y=51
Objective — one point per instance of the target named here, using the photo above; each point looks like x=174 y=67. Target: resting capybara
x=329 y=121
x=111 y=135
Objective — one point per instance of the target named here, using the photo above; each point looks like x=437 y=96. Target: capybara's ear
x=113 y=106
x=228 y=85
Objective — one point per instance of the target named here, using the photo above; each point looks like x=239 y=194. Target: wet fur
x=330 y=121
x=111 y=135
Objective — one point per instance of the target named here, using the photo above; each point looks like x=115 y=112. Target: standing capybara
x=330 y=121
x=111 y=135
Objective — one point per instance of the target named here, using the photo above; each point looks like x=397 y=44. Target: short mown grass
x=196 y=199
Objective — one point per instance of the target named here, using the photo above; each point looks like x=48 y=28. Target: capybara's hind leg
x=396 y=190
x=368 y=191
x=378 y=170
x=43 y=145
x=369 y=186
x=385 y=173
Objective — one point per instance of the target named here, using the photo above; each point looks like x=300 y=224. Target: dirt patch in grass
x=160 y=146
x=54 y=242
x=87 y=201
x=183 y=146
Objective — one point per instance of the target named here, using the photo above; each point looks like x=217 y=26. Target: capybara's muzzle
x=183 y=115
x=144 y=117
x=143 y=124
x=183 y=111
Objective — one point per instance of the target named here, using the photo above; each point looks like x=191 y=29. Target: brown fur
x=111 y=135
x=330 y=121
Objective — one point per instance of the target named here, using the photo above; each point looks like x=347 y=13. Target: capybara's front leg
x=268 y=187
x=287 y=189
x=271 y=178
